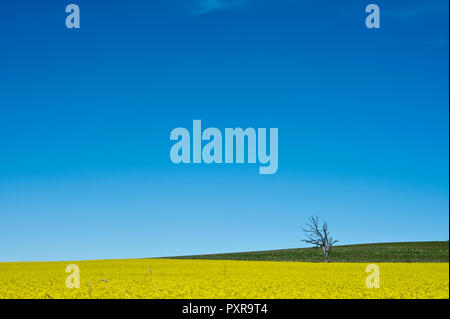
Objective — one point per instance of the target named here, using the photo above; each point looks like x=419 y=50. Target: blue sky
x=85 y=118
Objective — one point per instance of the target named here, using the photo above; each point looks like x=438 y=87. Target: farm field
x=191 y=279
x=429 y=251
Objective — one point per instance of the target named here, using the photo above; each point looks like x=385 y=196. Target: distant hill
x=430 y=251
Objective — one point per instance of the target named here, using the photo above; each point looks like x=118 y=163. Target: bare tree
x=319 y=236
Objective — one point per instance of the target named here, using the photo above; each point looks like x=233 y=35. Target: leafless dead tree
x=319 y=236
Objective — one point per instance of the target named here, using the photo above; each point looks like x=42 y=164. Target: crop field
x=192 y=279
x=423 y=252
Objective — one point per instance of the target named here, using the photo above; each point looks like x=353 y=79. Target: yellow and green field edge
x=228 y=279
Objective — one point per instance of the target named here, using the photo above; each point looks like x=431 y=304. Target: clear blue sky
x=85 y=118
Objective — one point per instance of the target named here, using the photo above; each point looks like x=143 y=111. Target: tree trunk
x=325 y=256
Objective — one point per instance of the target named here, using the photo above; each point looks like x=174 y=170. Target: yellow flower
x=165 y=278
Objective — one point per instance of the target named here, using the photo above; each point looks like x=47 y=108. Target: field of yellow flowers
x=165 y=278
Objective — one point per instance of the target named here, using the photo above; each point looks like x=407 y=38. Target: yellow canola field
x=169 y=279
